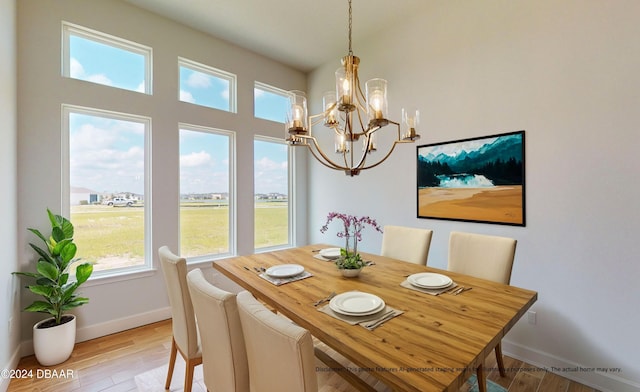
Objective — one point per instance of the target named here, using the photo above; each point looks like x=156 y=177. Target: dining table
x=435 y=343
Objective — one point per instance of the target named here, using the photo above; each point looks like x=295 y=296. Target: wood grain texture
x=434 y=346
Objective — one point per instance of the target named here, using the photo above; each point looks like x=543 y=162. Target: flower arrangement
x=352 y=233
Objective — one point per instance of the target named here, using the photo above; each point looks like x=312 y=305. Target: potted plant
x=350 y=263
x=54 y=338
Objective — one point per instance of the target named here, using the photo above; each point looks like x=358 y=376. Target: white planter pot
x=54 y=345
x=351 y=273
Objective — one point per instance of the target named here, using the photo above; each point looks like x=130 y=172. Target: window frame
x=291 y=175
x=148 y=200
x=69 y=29
x=232 y=193
x=214 y=72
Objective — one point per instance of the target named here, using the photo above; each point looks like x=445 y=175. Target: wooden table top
x=435 y=345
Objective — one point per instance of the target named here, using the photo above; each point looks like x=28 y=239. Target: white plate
x=429 y=280
x=356 y=303
x=330 y=253
x=284 y=270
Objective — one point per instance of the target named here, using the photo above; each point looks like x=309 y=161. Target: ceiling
x=301 y=33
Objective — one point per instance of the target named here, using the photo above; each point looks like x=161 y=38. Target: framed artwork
x=475 y=180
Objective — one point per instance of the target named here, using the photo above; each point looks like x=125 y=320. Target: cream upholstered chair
x=185 y=332
x=279 y=353
x=224 y=358
x=406 y=244
x=486 y=257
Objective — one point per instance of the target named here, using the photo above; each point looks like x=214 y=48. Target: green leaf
x=43 y=281
x=68 y=252
x=29 y=274
x=67 y=228
x=60 y=245
x=56 y=220
x=63 y=279
x=83 y=272
x=37 y=232
x=39 y=306
x=75 y=303
x=47 y=270
x=67 y=292
x=57 y=234
x=44 y=254
x=45 y=291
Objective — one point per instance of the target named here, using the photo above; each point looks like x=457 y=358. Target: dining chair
x=224 y=358
x=486 y=257
x=185 y=331
x=406 y=243
x=293 y=368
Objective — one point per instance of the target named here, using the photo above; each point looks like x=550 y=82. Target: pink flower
x=353 y=226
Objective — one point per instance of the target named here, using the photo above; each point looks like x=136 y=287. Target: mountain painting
x=478 y=180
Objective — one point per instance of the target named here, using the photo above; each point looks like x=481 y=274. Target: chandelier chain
x=350 y=27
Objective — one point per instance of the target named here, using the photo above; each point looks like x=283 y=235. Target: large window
x=206 y=196
x=273 y=223
x=107 y=187
x=100 y=58
x=207 y=86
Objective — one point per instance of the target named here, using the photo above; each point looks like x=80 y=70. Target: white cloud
x=99 y=78
x=270 y=176
x=198 y=80
x=186 y=96
x=195 y=159
x=76 y=71
x=266 y=164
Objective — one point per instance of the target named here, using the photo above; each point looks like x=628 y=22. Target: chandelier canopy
x=346 y=111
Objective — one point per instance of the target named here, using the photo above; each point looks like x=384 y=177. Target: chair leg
x=500 y=360
x=172 y=363
x=188 y=376
x=482 y=381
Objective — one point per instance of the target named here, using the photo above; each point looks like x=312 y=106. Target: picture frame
x=480 y=179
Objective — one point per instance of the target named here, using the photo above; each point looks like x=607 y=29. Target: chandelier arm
x=385 y=157
x=327 y=162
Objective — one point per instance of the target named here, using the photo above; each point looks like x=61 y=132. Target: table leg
x=482 y=381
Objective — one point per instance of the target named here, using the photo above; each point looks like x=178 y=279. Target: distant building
x=82 y=196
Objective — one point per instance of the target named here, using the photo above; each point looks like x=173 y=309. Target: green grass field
x=112 y=237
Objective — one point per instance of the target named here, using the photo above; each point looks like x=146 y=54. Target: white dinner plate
x=284 y=270
x=330 y=253
x=429 y=280
x=356 y=303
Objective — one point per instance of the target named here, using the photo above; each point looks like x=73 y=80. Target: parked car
x=119 y=201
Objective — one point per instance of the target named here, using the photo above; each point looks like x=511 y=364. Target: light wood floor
x=110 y=364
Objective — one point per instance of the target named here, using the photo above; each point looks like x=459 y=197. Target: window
x=107 y=187
x=273 y=218
x=100 y=58
x=206 y=196
x=207 y=86
x=270 y=103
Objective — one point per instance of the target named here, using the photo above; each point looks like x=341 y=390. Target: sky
x=107 y=153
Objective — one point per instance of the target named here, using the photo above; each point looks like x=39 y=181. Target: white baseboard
x=107 y=328
x=601 y=381
x=13 y=364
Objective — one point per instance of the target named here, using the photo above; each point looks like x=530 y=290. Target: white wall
x=567 y=73
x=41 y=92
x=9 y=300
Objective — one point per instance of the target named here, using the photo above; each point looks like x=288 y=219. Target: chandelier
x=346 y=111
